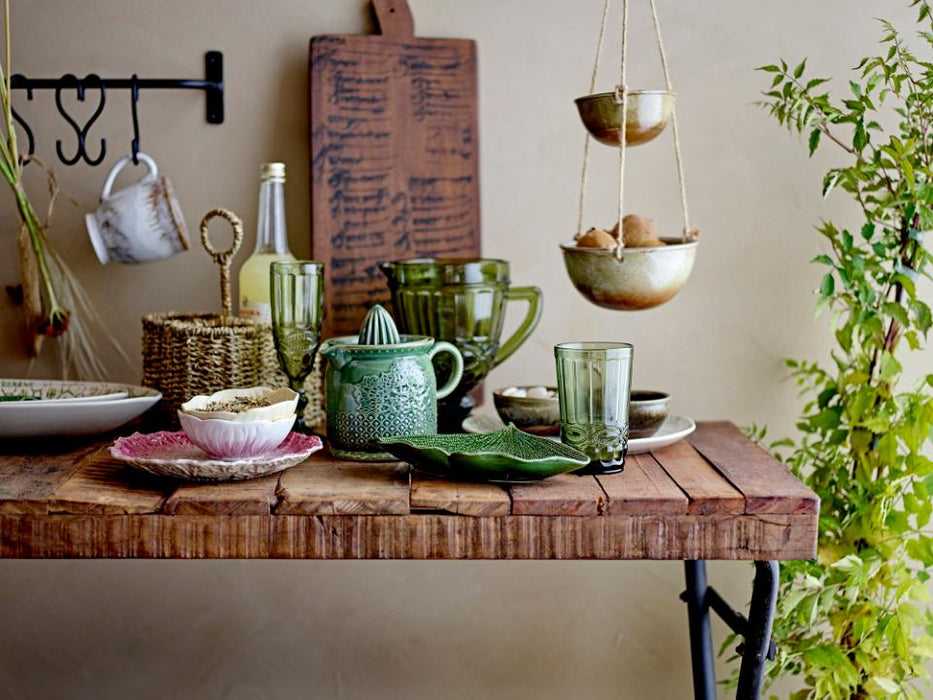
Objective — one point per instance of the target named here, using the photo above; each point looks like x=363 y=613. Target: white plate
x=20 y=419
x=673 y=429
x=46 y=390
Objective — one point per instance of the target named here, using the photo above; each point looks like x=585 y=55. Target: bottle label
x=256 y=311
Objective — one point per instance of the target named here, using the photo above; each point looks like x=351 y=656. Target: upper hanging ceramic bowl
x=641 y=279
x=647 y=113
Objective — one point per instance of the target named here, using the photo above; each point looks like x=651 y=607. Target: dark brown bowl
x=533 y=415
x=646 y=412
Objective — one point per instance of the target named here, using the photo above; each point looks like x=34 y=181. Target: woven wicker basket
x=189 y=354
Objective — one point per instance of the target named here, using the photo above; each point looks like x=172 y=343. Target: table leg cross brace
x=756 y=629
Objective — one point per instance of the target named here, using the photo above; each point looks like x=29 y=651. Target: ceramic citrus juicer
x=380 y=384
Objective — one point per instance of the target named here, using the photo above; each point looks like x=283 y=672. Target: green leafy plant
x=856 y=622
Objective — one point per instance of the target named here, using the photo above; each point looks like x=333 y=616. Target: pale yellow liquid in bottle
x=271 y=245
x=254 y=285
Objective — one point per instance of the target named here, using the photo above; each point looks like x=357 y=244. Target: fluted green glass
x=297 y=298
x=594 y=381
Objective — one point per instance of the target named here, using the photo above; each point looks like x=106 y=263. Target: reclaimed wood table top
x=715 y=495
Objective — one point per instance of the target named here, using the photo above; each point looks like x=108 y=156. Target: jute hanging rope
x=622 y=100
x=687 y=234
x=621 y=95
x=586 y=141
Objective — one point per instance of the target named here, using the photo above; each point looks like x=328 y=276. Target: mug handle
x=533 y=296
x=456 y=374
x=122 y=163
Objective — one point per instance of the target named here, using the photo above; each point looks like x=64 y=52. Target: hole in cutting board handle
x=393 y=17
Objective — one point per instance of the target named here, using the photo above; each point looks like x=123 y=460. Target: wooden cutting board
x=394 y=157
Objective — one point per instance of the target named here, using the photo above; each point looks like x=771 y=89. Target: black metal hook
x=68 y=81
x=29 y=137
x=212 y=84
x=134 y=98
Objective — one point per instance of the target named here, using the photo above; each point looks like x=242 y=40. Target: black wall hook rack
x=212 y=85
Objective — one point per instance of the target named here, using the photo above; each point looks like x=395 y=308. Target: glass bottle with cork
x=271 y=245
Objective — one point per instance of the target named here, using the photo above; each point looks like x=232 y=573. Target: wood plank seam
x=602 y=505
x=765 y=482
x=718 y=471
x=686 y=493
x=679 y=487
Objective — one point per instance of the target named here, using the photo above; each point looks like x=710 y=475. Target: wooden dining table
x=715 y=495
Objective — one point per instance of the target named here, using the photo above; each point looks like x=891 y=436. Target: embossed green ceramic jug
x=380 y=384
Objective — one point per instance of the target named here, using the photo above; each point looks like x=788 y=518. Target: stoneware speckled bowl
x=643 y=278
x=647 y=113
x=229 y=439
x=646 y=412
x=538 y=416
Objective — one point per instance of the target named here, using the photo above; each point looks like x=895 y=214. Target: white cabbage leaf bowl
x=282 y=404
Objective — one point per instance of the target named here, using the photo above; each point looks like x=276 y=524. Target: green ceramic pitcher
x=380 y=384
x=461 y=301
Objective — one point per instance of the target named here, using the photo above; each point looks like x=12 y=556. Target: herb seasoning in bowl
x=239 y=423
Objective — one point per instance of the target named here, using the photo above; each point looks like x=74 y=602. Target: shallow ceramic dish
x=46 y=390
x=173 y=454
x=235 y=439
x=642 y=279
x=507 y=456
x=535 y=415
x=647 y=113
x=22 y=419
x=646 y=412
x=283 y=403
x=673 y=429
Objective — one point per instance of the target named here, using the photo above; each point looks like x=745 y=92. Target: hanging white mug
x=139 y=223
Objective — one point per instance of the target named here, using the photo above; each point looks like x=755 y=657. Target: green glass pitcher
x=461 y=301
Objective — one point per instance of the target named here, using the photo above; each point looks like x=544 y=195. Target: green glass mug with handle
x=461 y=301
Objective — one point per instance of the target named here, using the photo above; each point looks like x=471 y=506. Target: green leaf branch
x=856 y=622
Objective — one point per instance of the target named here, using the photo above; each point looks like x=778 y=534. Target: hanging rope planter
x=629 y=267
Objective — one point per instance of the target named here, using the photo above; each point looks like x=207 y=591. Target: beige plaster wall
x=458 y=630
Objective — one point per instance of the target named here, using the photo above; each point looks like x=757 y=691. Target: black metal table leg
x=758 y=634
x=701 y=639
x=756 y=630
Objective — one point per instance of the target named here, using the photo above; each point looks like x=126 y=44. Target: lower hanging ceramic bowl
x=641 y=279
x=173 y=454
x=506 y=456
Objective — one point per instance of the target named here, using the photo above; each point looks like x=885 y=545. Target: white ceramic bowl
x=283 y=404
x=235 y=439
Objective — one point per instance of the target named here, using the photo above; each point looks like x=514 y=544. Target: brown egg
x=638 y=232
x=596 y=238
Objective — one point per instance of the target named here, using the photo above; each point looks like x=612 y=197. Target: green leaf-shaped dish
x=508 y=455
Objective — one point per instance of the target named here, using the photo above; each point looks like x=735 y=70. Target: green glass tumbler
x=594 y=381
x=297 y=300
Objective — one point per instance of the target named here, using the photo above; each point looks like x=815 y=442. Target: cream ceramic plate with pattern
x=40 y=408
x=45 y=390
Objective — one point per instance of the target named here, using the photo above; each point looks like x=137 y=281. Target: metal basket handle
x=223 y=258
